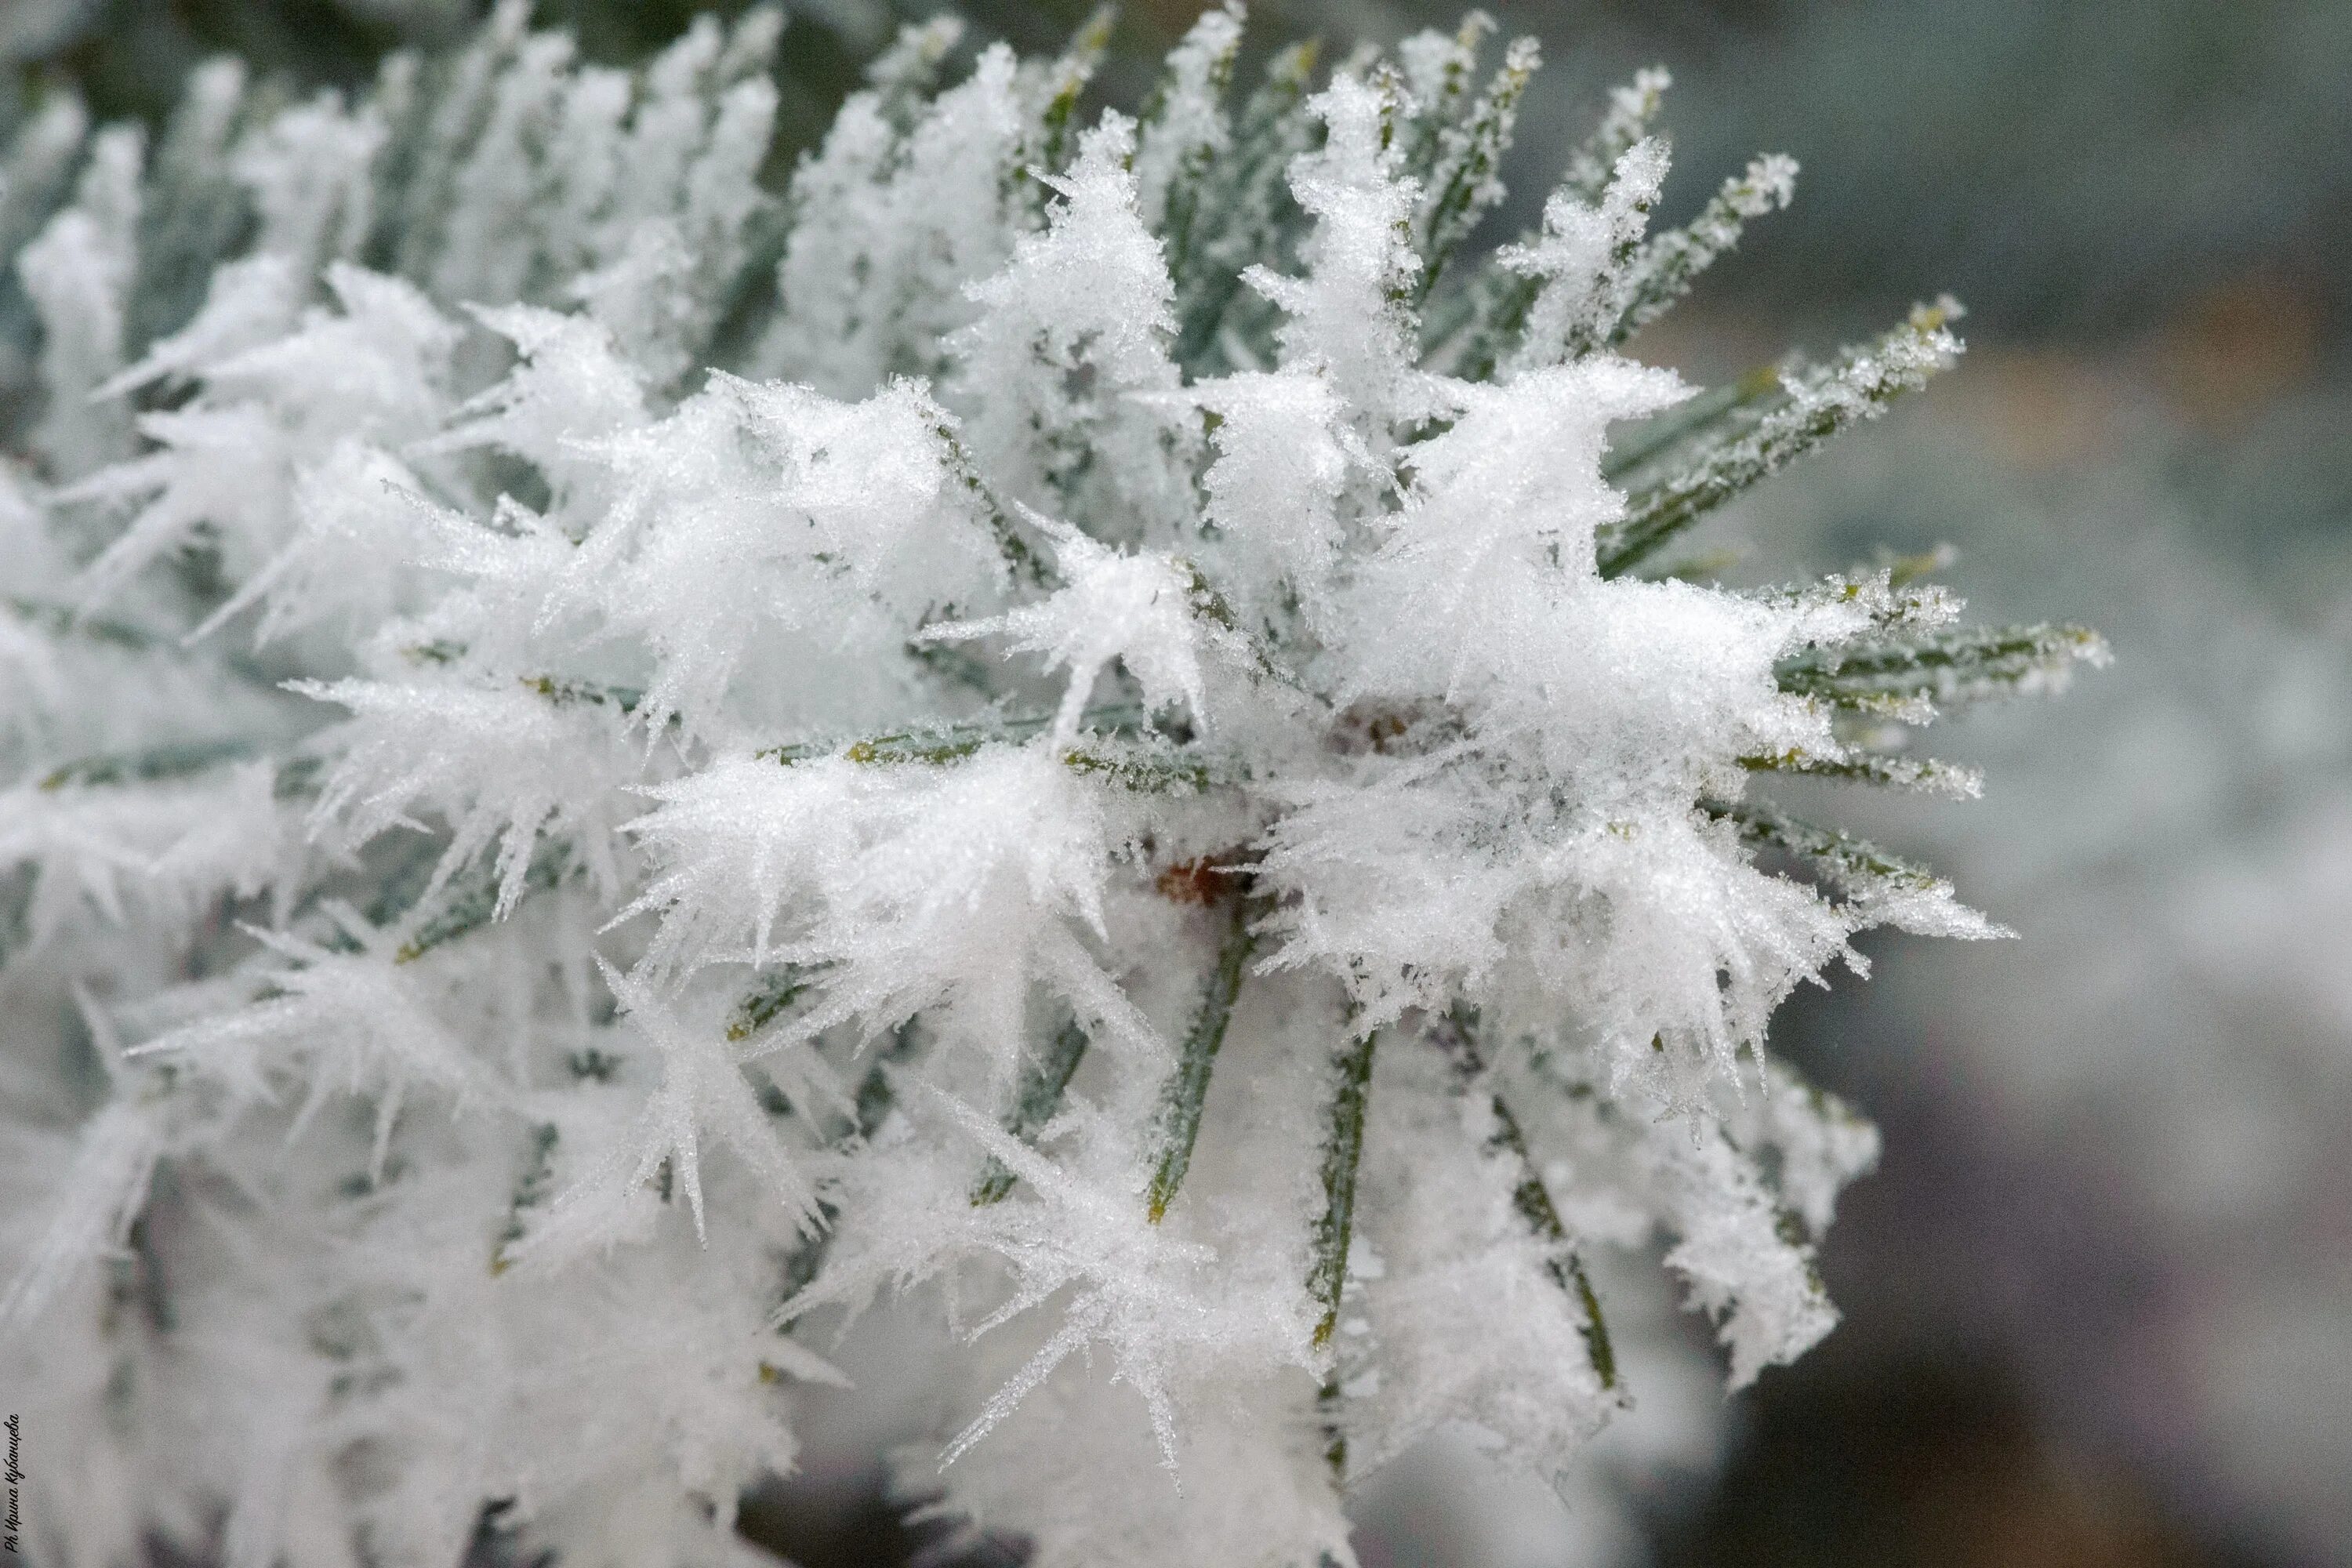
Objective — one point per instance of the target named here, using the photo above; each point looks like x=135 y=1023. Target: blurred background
x=2098 y=1297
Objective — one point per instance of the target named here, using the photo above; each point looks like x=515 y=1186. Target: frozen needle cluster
x=1083 y=721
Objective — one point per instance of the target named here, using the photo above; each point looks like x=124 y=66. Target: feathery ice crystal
x=1090 y=722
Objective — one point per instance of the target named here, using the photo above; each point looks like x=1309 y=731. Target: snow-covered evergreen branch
x=607 y=761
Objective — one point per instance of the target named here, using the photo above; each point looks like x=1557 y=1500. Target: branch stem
x=1343 y=1150
x=1188 y=1085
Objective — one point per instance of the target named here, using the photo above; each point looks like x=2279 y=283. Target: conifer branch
x=1462 y=177
x=769 y=1000
x=1821 y=404
x=1472 y=328
x=57 y=621
x=531 y=1191
x=1847 y=863
x=168 y=762
x=1631 y=110
x=1456 y=1032
x=1187 y=1089
x=1343 y=1150
x=1065 y=81
x=1925 y=775
x=471 y=900
x=953 y=742
x=1248 y=210
x=1035 y=1102
x=875 y=1096
x=1909 y=677
x=1664 y=269
x=1680 y=437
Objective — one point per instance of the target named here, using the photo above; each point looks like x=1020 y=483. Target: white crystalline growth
x=604 y=766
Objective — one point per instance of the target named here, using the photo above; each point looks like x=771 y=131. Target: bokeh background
x=2099 y=1297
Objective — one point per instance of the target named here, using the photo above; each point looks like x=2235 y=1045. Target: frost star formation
x=621 y=748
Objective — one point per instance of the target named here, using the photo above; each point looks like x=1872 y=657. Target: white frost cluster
x=1075 y=719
